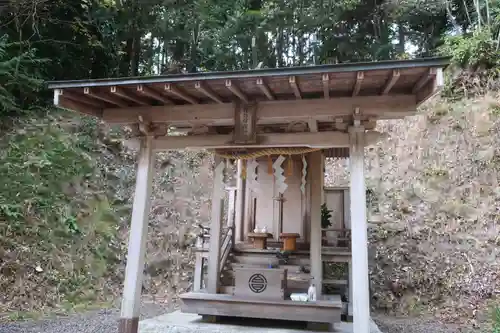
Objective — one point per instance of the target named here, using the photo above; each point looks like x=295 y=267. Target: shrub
x=476 y=51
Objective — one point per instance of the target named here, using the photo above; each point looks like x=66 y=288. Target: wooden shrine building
x=274 y=127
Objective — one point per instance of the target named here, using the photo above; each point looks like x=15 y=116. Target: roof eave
x=264 y=72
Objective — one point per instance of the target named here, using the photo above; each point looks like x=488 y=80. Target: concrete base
x=178 y=322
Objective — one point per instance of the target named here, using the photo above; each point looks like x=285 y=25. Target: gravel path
x=388 y=324
x=102 y=321
x=105 y=321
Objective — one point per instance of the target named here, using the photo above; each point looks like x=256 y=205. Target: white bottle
x=256 y=230
x=311 y=293
x=264 y=230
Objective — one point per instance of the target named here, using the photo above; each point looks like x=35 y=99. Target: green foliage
x=496 y=319
x=18 y=78
x=36 y=162
x=472 y=51
x=326 y=215
x=58 y=222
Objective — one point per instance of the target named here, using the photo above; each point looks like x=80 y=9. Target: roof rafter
x=430 y=73
x=357 y=86
x=236 y=91
x=293 y=84
x=207 y=92
x=265 y=89
x=171 y=89
x=325 y=78
x=105 y=97
x=145 y=90
x=395 y=74
x=119 y=91
x=79 y=98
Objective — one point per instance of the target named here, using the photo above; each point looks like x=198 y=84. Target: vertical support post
x=216 y=229
x=317 y=176
x=347 y=212
x=359 y=231
x=129 y=318
x=248 y=215
x=240 y=202
x=231 y=207
x=277 y=215
x=198 y=272
x=349 y=306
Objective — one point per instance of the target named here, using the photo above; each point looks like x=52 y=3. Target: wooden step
x=227 y=305
x=290 y=268
x=328 y=254
x=266 y=260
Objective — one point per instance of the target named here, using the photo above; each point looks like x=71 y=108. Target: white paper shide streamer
x=281 y=186
x=219 y=177
x=304 y=175
x=252 y=180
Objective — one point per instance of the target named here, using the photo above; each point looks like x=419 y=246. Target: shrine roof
x=417 y=77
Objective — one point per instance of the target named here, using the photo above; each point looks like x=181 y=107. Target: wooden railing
x=227 y=238
x=227 y=246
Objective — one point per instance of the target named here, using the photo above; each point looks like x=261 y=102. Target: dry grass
x=435 y=181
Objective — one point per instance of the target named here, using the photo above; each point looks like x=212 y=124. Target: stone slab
x=178 y=322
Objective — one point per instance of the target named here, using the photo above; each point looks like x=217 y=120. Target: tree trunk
x=279 y=47
x=401 y=38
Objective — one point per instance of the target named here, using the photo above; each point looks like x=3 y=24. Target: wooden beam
x=265 y=89
x=395 y=74
x=313 y=125
x=293 y=84
x=119 y=91
x=207 y=92
x=79 y=98
x=268 y=112
x=147 y=91
x=431 y=73
x=105 y=97
x=329 y=139
x=236 y=91
x=171 y=89
x=357 y=86
x=326 y=85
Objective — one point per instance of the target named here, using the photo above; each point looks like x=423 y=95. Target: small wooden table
x=259 y=239
x=289 y=241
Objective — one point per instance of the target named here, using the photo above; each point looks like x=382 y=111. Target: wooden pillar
x=248 y=216
x=316 y=170
x=198 y=272
x=359 y=231
x=349 y=306
x=216 y=228
x=240 y=203
x=231 y=206
x=129 y=318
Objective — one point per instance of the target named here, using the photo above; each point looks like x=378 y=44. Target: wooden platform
x=227 y=305
x=328 y=254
